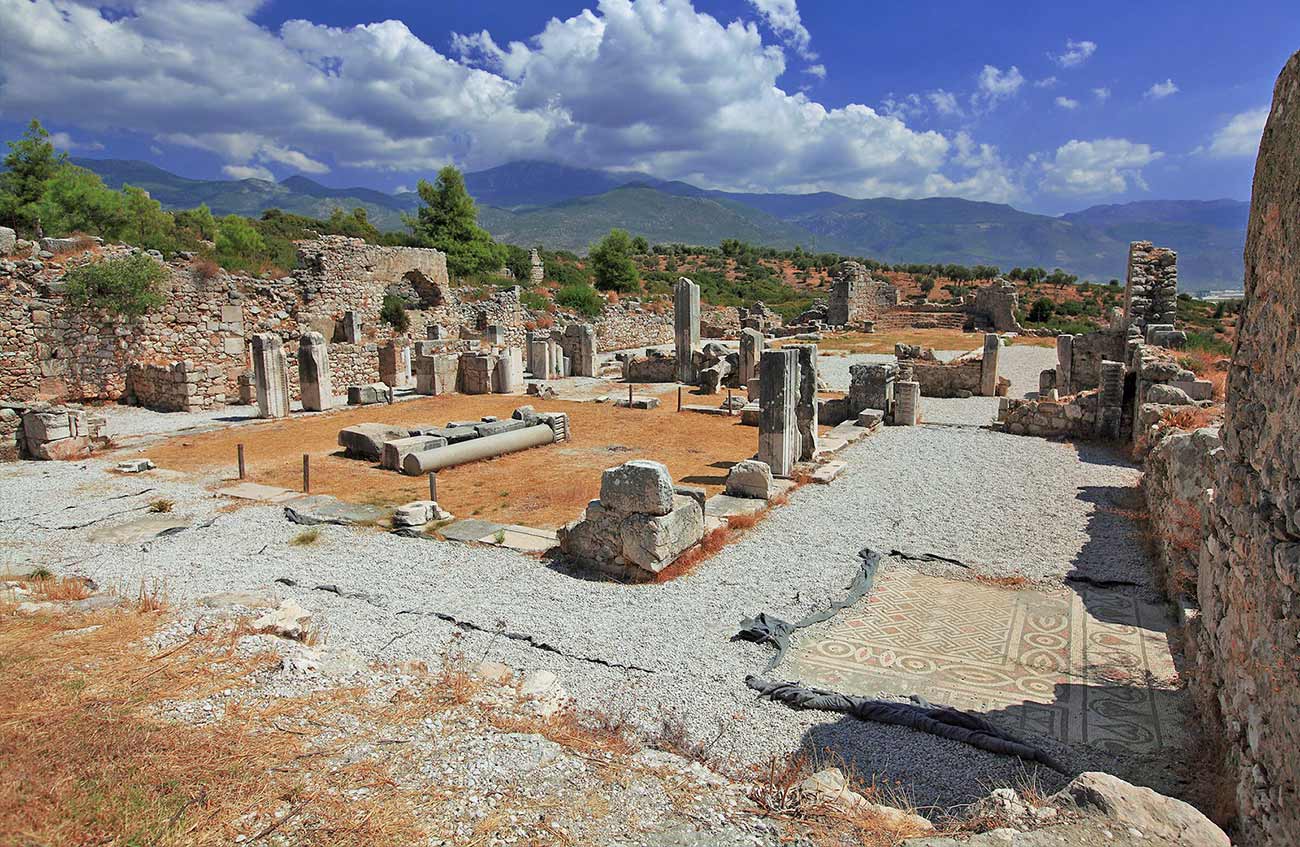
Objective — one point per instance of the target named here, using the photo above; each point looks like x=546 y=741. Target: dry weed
x=161 y=505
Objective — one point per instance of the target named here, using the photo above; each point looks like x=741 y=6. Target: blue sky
x=1049 y=107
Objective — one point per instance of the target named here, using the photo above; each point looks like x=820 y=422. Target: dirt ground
x=542 y=487
x=883 y=342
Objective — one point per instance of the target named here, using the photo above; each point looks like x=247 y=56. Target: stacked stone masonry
x=1151 y=290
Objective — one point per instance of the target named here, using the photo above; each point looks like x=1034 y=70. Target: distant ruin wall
x=954 y=379
x=1088 y=352
x=1246 y=671
x=632 y=325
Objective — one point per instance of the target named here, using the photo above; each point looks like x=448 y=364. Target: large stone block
x=314 y=381
x=652 y=542
x=779 y=441
x=270 y=375
x=365 y=395
x=366 y=441
x=805 y=409
x=394 y=451
x=686 y=328
x=596 y=537
x=750 y=478
x=989 y=365
x=751 y=348
x=640 y=485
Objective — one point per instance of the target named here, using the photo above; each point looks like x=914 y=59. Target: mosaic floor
x=1090 y=668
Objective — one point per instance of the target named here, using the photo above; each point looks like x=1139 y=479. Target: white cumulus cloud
x=248 y=172
x=1240 y=135
x=1067 y=103
x=783 y=17
x=994 y=85
x=64 y=141
x=1075 y=54
x=652 y=85
x=1101 y=166
x=1161 y=90
x=1102 y=94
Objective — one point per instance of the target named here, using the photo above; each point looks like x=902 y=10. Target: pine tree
x=30 y=164
x=448 y=221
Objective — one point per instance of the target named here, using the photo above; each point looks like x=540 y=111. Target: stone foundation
x=178 y=387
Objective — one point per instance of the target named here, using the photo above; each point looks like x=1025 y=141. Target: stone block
x=907 y=408
x=397 y=449
x=8 y=240
x=62 y=449
x=641 y=486
x=315 y=385
x=779 y=441
x=366 y=441
x=270 y=375
x=750 y=478
x=47 y=426
x=1167 y=395
x=1197 y=389
x=652 y=542
x=870 y=418
x=498 y=427
x=419 y=513
x=366 y=395
x=686 y=328
x=596 y=537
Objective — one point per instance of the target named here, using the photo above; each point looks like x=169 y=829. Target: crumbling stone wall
x=1088 y=352
x=948 y=379
x=995 y=305
x=1050 y=418
x=855 y=297
x=1151 y=289
x=629 y=324
x=1178 y=484
x=1246 y=672
x=178 y=387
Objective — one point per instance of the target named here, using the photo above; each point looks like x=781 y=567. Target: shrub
x=534 y=301
x=1041 y=310
x=580 y=298
x=128 y=286
x=393 y=313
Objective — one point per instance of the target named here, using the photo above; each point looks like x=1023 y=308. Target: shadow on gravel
x=1109 y=455
x=1115 y=560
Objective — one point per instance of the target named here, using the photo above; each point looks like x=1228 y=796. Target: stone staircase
x=896 y=319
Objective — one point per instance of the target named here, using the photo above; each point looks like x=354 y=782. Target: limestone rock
x=289 y=620
x=830 y=788
x=640 y=485
x=393 y=452
x=419 y=513
x=1153 y=814
x=365 y=395
x=1167 y=395
x=366 y=441
x=652 y=542
x=8 y=240
x=750 y=478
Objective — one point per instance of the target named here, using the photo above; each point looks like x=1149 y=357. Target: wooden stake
x=629 y=395
x=729 y=412
x=239 y=450
x=306 y=473
x=679 y=398
x=433 y=486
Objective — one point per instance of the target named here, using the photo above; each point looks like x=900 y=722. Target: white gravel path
x=1004 y=504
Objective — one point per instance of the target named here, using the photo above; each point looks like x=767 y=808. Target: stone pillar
x=314 y=383
x=422 y=365
x=556 y=355
x=1064 y=362
x=536 y=270
x=351 y=327
x=579 y=343
x=806 y=405
x=433 y=332
x=751 y=348
x=907 y=405
x=779 y=441
x=270 y=375
x=477 y=373
x=390 y=363
x=1110 y=401
x=989 y=365
x=405 y=374
x=510 y=371
x=872 y=387
x=686 y=328
x=1151 y=288
x=539 y=358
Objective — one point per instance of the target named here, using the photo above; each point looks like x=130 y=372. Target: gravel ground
x=1003 y=504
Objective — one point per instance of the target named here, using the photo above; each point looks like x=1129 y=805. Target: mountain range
x=563 y=207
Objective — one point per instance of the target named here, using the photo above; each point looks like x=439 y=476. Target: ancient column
x=423 y=365
x=314 y=383
x=686 y=328
x=536 y=270
x=270 y=375
x=1064 y=362
x=806 y=405
x=907 y=403
x=779 y=441
x=539 y=355
x=989 y=365
x=751 y=348
x=579 y=343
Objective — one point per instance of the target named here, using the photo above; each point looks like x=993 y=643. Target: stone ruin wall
x=629 y=324
x=1151 y=287
x=1246 y=671
x=1224 y=505
x=1088 y=351
x=995 y=305
x=948 y=379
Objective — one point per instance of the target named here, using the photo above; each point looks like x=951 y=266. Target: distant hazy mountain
x=568 y=208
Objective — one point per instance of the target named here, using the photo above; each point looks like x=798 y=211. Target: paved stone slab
x=829 y=444
x=525 y=539
x=470 y=529
x=1085 y=667
x=257 y=491
x=140 y=529
x=849 y=431
x=828 y=472
x=707 y=410
x=314 y=509
x=724 y=506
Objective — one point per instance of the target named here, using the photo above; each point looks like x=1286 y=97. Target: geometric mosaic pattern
x=1089 y=668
